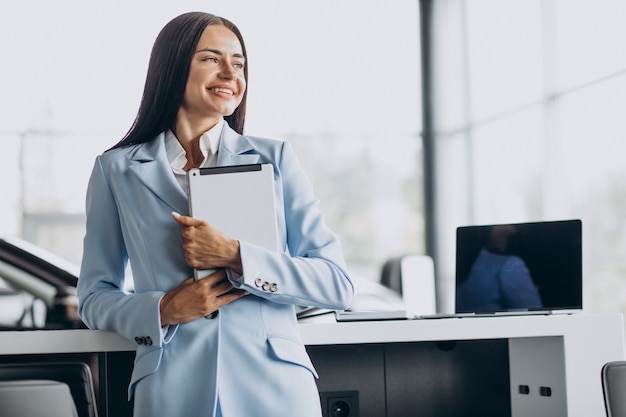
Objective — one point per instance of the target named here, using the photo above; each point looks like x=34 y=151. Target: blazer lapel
x=150 y=164
x=235 y=149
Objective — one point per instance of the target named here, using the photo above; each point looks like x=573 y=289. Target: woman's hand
x=192 y=299
x=206 y=247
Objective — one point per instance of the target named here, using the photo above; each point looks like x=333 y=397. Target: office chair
x=413 y=277
x=391 y=275
x=35 y=398
x=614 y=388
x=76 y=375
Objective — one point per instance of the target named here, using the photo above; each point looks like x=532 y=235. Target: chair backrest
x=33 y=398
x=614 y=388
x=413 y=276
x=76 y=375
x=391 y=275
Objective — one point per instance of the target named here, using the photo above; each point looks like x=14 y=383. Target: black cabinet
x=439 y=379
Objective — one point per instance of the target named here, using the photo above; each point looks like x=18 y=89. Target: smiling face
x=216 y=82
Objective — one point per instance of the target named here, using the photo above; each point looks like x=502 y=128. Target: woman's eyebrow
x=218 y=52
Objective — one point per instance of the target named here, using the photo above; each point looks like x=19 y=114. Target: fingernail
x=175 y=214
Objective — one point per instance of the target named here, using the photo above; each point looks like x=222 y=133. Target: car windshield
x=37 y=288
x=24 y=299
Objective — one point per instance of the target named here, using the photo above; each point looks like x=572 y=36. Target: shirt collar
x=210 y=140
x=209 y=144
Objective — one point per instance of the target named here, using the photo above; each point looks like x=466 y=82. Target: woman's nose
x=228 y=71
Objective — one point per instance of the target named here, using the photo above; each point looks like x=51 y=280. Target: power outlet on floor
x=340 y=403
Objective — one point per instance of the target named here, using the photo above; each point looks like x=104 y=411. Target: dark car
x=37 y=288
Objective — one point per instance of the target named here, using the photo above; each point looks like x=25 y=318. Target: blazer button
x=258 y=282
x=265 y=286
x=148 y=341
x=140 y=340
x=274 y=287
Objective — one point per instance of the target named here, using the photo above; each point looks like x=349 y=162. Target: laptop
x=519 y=268
x=509 y=269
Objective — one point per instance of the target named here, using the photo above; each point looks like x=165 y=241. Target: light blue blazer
x=250 y=359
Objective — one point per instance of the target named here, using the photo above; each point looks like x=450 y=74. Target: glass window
x=453 y=194
x=593 y=132
x=504 y=55
x=339 y=80
x=10 y=172
x=588 y=39
x=508 y=160
x=543 y=128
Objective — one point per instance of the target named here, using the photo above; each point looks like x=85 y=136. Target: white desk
x=563 y=352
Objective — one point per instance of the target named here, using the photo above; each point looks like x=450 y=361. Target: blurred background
x=411 y=117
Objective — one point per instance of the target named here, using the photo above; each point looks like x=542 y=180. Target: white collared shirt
x=176 y=155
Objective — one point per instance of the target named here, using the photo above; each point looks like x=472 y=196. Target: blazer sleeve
x=312 y=272
x=103 y=303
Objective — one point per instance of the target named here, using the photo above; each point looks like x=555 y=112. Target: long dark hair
x=167 y=76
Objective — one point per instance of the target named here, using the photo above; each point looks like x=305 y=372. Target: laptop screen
x=519 y=267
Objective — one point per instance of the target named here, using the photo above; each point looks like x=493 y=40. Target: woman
x=249 y=359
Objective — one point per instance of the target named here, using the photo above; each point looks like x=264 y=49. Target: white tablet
x=238 y=200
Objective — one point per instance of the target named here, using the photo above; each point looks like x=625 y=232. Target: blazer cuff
x=167 y=331
x=234 y=278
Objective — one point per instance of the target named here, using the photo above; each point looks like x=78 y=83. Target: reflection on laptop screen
x=519 y=267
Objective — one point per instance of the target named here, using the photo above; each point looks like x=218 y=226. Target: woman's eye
x=238 y=64
x=210 y=59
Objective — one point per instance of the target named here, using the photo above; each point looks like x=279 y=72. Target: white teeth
x=222 y=90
